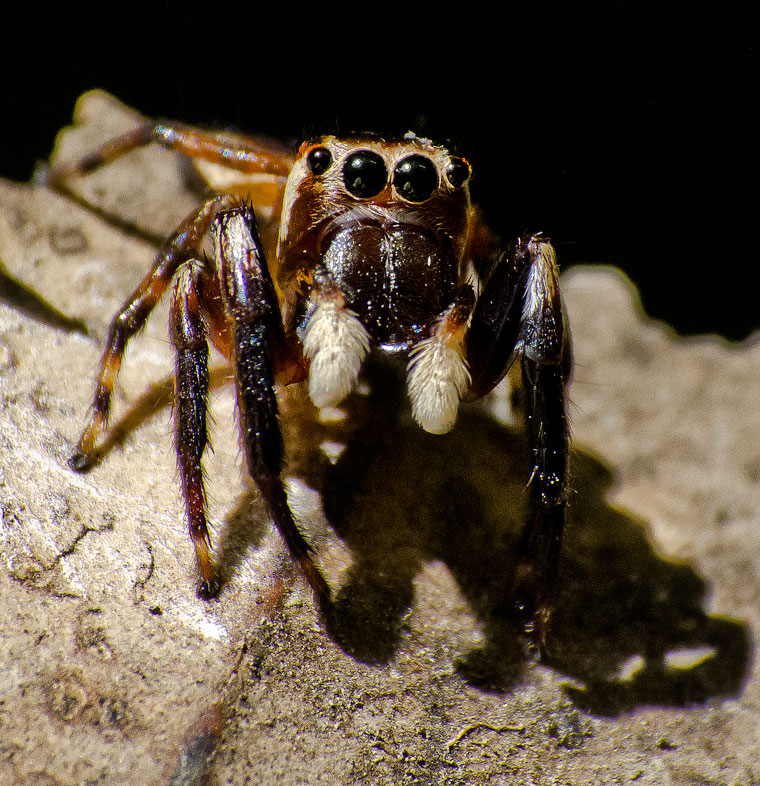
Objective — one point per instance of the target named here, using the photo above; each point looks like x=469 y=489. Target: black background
x=627 y=136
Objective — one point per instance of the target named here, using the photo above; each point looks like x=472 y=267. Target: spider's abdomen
x=396 y=277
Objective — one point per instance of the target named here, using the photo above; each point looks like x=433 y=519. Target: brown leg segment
x=133 y=314
x=235 y=151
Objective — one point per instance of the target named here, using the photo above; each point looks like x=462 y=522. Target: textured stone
x=115 y=672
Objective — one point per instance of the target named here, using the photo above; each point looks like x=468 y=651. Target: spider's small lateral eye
x=319 y=160
x=364 y=174
x=415 y=178
x=458 y=172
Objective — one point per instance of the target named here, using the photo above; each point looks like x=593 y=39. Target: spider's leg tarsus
x=80 y=461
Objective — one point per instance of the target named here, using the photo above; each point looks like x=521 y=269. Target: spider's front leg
x=189 y=332
x=257 y=343
x=520 y=312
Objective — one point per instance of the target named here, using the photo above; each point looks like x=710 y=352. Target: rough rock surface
x=116 y=673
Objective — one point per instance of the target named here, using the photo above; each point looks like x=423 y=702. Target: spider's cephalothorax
x=379 y=229
x=376 y=249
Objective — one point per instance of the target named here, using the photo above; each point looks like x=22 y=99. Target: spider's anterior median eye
x=364 y=174
x=319 y=160
x=458 y=172
x=415 y=178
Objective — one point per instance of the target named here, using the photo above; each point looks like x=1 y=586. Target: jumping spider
x=377 y=249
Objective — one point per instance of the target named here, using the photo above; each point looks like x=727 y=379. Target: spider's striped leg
x=257 y=339
x=189 y=337
x=520 y=313
x=131 y=317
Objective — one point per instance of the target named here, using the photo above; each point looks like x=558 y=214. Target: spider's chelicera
x=377 y=249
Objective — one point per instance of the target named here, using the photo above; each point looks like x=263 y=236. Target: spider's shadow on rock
x=29 y=302
x=400 y=497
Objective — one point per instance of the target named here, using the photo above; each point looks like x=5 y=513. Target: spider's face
x=387 y=219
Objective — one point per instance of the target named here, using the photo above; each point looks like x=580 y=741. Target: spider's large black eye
x=319 y=160
x=415 y=178
x=458 y=172
x=364 y=174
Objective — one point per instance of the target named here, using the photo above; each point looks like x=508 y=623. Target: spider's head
x=387 y=219
x=363 y=175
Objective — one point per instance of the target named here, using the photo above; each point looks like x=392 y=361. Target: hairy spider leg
x=257 y=337
x=520 y=313
x=189 y=333
x=131 y=317
x=235 y=151
x=541 y=542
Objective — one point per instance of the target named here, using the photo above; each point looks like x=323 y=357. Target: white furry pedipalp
x=437 y=379
x=336 y=343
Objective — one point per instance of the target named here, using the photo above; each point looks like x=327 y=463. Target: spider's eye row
x=458 y=172
x=364 y=174
x=415 y=178
x=319 y=160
